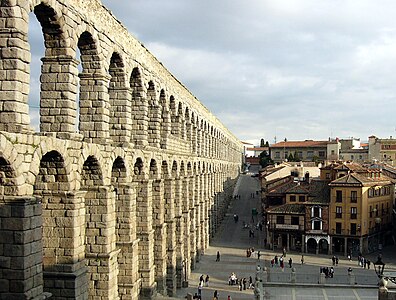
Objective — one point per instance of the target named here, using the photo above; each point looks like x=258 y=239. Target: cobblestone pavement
x=232 y=241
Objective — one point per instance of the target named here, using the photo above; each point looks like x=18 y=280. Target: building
x=382 y=150
x=360 y=211
x=252 y=154
x=307 y=150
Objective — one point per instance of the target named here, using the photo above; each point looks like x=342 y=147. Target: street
x=232 y=241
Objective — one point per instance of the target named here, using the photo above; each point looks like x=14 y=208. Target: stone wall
x=120 y=192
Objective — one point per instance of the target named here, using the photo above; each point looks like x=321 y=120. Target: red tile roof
x=300 y=144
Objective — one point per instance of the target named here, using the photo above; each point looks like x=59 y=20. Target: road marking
x=325 y=294
x=356 y=294
x=294 y=293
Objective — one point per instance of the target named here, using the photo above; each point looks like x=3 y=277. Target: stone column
x=21 y=248
x=186 y=229
x=139 y=117
x=145 y=234
x=14 y=70
x=160 y=252
x=165 y=126
x=94 y=108
x=121 y=116
x=65 y=271
x=58 y=94
x=128 y=279
x=179 y=231
x=154 y=122
x=169 y=197
x=101 y=253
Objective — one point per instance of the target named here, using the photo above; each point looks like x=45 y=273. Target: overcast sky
x=300 y=69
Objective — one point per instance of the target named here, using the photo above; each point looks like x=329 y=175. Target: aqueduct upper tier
x=120 y=192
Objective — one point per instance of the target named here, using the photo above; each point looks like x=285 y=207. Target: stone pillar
x=160 y=253
x=145 y=233
x=169 y=197
x=187 y=194
x=94 y=108
x=58 y=94
x=65 y=272
x=121 y=116
x=179 y=231
x=101 y=253
x=194 y=139
x=14 y=70
x=20 y=248
x=139 y=117
x=154 y=120
x=165 y=126
x=128 y=279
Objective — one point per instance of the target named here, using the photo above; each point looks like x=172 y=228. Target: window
x=353 y=196
x=352 y=157
x=338 y=228
x=327 y=175
x=277 y=154
x=376 y=210
x=371 y=211
x=299 y=154
x=280 y=220
x=295 y=220
x=353 y=228
x=310 y=154
x=332 y=152
x=316 y=212
x=321 y=154
x=353 y=212
x=382 y=209
x=292 y=198
x=338 y=212
x=338 y=196
x=317 y=225
x=301 y=198
x=371 y=193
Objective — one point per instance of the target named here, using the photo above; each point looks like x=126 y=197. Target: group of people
x=237 y=196
x=203 y=281
x=334 y=259
x=241 y=283
x=329 y=272
x=249 y=252
x=364 y=262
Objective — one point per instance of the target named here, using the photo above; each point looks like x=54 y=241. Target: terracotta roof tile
x=300 y=144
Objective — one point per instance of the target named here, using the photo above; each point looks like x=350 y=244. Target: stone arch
x=165 y=120
x=138 y=168
x=323 y=245
x=100 y=235
x=175 y=125
x=8 y=185
x=58 y=73
x=94 y=90
x=154 y=116
x=119 y=99
x=181 y=120
x=139 y=108
x=58 y=227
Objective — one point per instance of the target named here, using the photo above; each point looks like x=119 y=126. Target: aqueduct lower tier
x=119 y=193
x=82 y=220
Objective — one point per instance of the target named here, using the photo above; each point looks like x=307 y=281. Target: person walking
x=302 y=259
x=215 y=295
x=290 y=262
x=207 y=280
x=258 y=255
x=218 y=256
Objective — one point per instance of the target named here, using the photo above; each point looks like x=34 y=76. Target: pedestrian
x=244 y=281
x=240 y=284
x=258 y=255
x=218 y=256
x=276 y=259
x=333 y=260
x=200 y=286
x=368 y=264
x=302 y=259
x=207 y=280
x=336 y=260
x=229 y=297
x=284 y=252
x=215 y=295
x=201 y=280
x=250 y=282
x=272 y=263
x=290 y=262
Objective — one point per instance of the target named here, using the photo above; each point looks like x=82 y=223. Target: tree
x=262 y=143
x=265 y=159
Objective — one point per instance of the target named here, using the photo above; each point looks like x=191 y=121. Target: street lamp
x=379 y=266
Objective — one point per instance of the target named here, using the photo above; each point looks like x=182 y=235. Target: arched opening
x=58 y=252
x=165 y=120
x=154 y=115
x=139 y=114
x=311 y=246
x=323 y=246
x=88 y=53
x=119 y=104
x=7 y=179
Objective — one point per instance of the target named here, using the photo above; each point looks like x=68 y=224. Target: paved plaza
x=232 y=240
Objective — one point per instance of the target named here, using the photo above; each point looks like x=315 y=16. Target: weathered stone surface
x=108 y=201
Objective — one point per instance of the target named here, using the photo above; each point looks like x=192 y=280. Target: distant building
x=253 y=154
x=382 y=150
x=307 y=150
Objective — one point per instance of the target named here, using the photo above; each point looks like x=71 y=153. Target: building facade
x=301 y=150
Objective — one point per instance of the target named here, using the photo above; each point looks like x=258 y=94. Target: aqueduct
x=120 y=192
